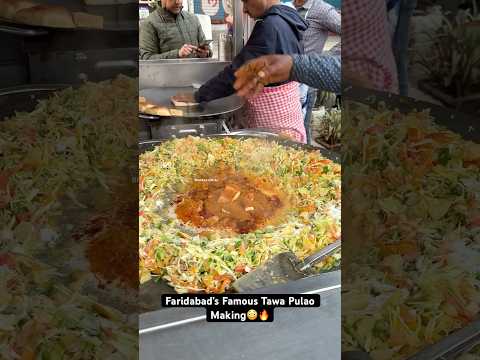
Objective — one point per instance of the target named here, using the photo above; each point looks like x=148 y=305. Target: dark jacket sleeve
x=262 y=42
x=318 y=71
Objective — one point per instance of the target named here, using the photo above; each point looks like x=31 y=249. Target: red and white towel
x=278 y=108
x=366 y=43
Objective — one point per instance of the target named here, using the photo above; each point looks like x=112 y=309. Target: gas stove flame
x=264 y=315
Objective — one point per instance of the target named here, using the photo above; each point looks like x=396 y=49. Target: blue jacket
x=278 y=31
x=320 y=71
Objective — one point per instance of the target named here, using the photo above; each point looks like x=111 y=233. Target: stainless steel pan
x=150 y=292
x=463 y=124
x=73 y=218
x=161 y=97
x=25 y=98
x=466 y=126
x=255 y=133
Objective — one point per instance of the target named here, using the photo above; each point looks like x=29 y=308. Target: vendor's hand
x=203 y=52
x=186 y=50
x=253 y=76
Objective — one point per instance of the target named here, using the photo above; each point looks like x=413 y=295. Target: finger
x=239 y=82
x=238 y=76
x=252 y=86
x=248 y=88
x=263 y=76
x=258 y=88
x=244 y=92
x=243 y=89
x=242 y=82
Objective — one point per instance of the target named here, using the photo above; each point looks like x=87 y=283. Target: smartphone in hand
x=205 y=44
x=203 y=49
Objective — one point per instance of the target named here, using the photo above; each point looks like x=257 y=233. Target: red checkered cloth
x=278 y=108
x=366 y=43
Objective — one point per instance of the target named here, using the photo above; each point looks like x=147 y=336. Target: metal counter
x=160 y=73
x=303 y=333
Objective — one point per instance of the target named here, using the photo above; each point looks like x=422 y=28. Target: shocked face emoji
x=251 y=314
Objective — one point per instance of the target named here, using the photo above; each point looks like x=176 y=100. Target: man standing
x=323 y=19
x=278 y=30
x=170 y=33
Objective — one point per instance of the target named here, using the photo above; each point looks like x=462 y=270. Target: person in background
x=278 y=30
x=367 y=47
x=322 y=19
x=319 y=71
x=228 y=8
x=170 y=33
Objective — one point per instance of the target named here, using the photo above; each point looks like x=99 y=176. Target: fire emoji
x=264 y=315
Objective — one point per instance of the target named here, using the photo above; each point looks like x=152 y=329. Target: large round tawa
x=161 y=97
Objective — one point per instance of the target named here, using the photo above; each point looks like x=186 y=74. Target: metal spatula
x=282 y=268
x=453 y=345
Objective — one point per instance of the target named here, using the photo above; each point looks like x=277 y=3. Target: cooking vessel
x=283 y=268
x=468 y=127
x=465 y=125
x=25 y=99
x=254 y=133
x=151 y=291
x=218 y=107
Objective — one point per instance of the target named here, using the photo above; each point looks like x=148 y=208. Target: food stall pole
x=238 y=33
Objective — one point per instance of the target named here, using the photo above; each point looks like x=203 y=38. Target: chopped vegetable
x=210 y=259
x=413 y=281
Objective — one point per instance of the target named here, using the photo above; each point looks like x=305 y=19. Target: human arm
x=325 y=16
x=318 y=71
x=261 y=42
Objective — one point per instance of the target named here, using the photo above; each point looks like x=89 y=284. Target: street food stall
x=161 y=79
x=82 y=263
x=183 y=250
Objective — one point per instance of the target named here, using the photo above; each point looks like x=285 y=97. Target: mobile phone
x=205 y=43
